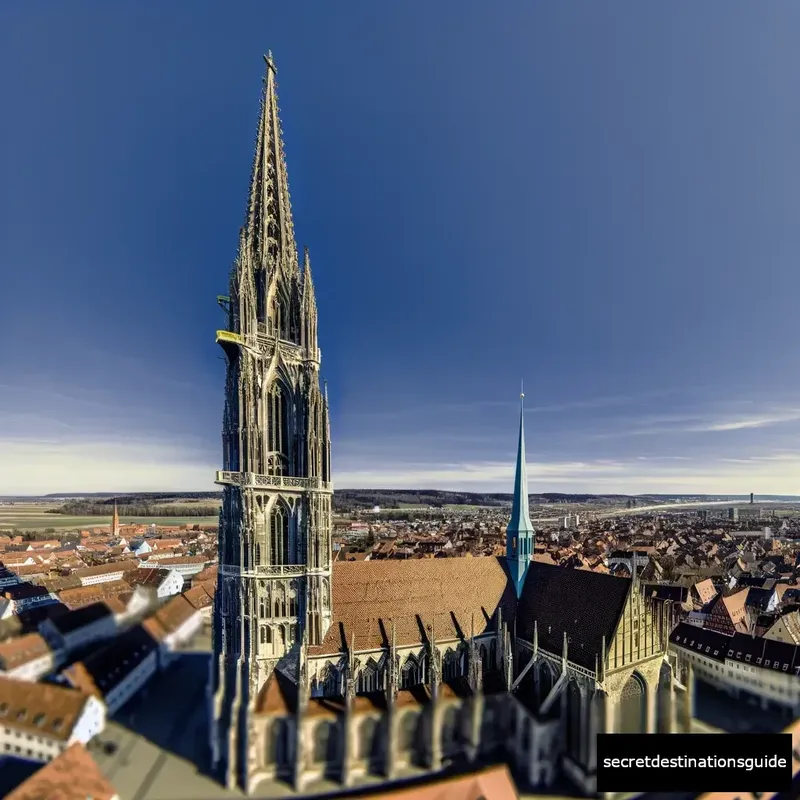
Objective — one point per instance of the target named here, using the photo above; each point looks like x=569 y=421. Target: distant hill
x=199 y=503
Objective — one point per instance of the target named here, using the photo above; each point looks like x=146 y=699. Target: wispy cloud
x=751 y=422
x=764 y=475
x=698 y=423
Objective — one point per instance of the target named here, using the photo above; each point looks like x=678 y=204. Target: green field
x=34 y=517
x=455 y=507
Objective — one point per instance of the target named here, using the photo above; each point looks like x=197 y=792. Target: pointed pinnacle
x=270 y=61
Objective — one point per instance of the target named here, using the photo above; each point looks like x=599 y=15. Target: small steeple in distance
x=115 y=521
x=520 y=533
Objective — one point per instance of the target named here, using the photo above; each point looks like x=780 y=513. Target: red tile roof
x=494 y=783
x=43 y=709
x=369 y=595
x=22 y=650
x=72 y=774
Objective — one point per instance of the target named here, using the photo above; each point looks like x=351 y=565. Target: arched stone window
x=277 y=742
x=262 y=607
x=450 y=737
x=291 y=601
x=407 y=731
x=484 y=658
x=451 y=665
x=279 y=534
x=258 y=555
x=263 y=634
x=278 y=430
x=575 y=721
x=369 y=739
x=330 y=680
x=410 y=674
x=278 y=316
x=261 y=294
x=325 y=742
x=369 y=678
x=633 y=706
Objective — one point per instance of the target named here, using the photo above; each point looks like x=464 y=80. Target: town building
x=28 y=657
x=103 y=573
x=116 y=672
x=174 y=625
x=38 y=721
x=184 y=566
x=162 y=581
x=741 y=664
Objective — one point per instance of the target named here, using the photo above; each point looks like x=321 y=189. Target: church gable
x=639 y=633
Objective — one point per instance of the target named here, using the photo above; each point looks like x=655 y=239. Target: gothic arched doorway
x=633 y=706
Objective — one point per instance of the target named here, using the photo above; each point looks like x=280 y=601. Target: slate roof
x=759 y=598
x=102 y=671
x=676 y=594
x=587 y=605
x=81 y=617
x=753 y=650
x=759 y=582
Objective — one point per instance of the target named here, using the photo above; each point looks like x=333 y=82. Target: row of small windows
x=38 y=719
x=373 y=677
x=281 y=606
x=265 y=635
x=747 y=656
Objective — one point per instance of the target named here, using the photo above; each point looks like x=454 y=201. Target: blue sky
x=599 y=198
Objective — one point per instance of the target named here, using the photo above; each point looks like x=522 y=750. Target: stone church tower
x=274 y=586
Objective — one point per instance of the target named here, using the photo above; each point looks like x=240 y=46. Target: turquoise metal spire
x=520 y=533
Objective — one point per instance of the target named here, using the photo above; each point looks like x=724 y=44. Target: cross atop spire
x=269 y=229
x=520 y=532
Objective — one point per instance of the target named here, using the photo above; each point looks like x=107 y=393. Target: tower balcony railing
x=254 y=480
x=265 y=571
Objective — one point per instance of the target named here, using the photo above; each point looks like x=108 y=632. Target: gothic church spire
x=520 y=532
x=269 y=229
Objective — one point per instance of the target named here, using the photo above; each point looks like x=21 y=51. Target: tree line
x=84 y=508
